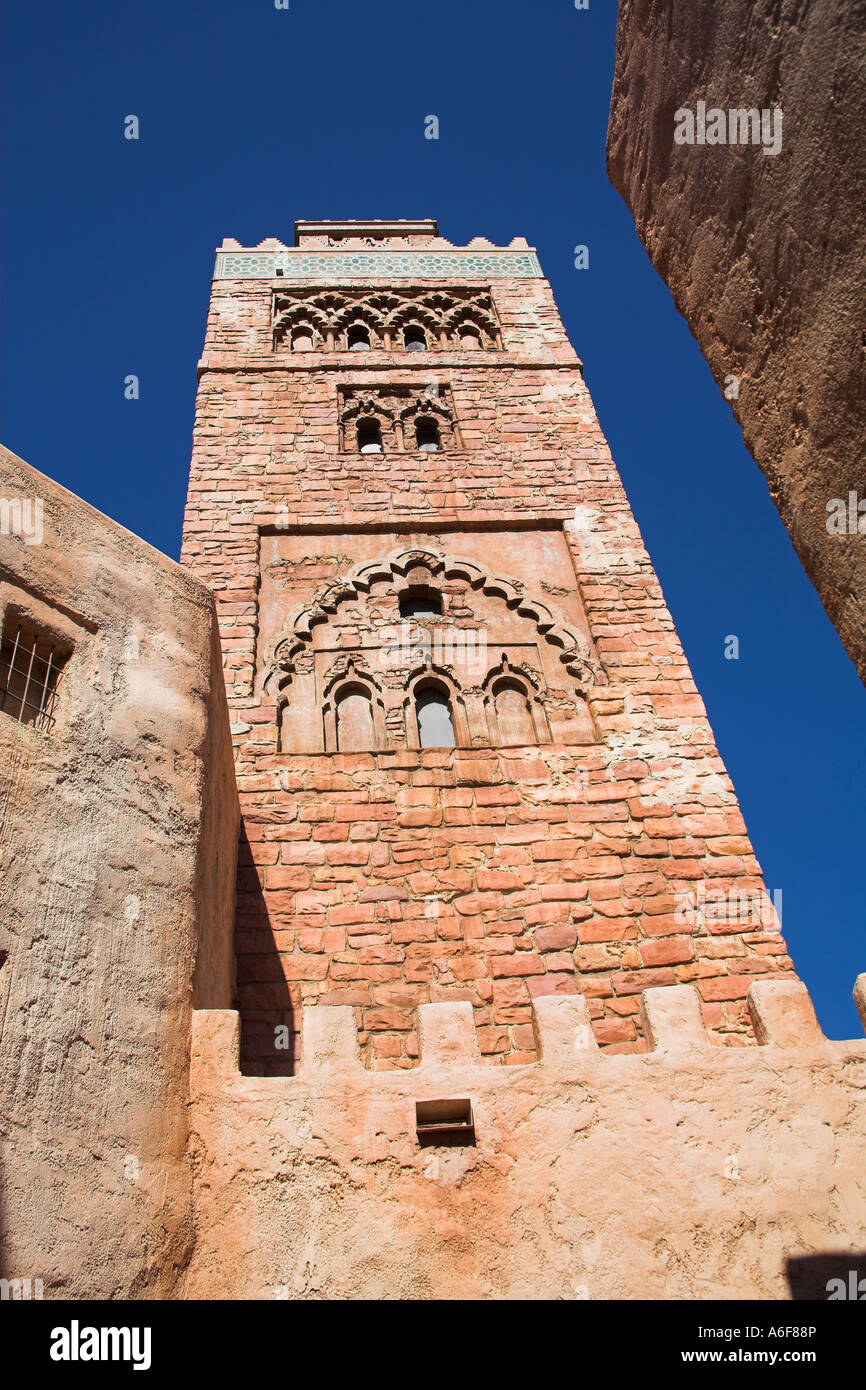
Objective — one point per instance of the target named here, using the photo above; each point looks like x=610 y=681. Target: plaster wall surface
x=118 y=835
x=693 y=1171
x=765 y=255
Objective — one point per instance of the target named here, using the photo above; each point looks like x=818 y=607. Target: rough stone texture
x=494 y=872
x=765 y=256
x=118 y=834
x=683 y=1173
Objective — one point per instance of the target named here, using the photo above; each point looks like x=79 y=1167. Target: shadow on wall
x=5 y=1272
x=823 y=1278
x=269 y=1029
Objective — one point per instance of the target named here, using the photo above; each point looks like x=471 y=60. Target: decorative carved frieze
x=400 y=319
x=401 y=412
x=434 y=265
x=506 y=698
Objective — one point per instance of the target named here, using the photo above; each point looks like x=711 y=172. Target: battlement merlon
x=781 y=1010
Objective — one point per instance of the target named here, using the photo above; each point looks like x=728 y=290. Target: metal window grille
x=31 y=663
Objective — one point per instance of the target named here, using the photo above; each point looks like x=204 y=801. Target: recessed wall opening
x=421 y=603
x=355 y=726
x=358 y=338
x=415 y=339
x=31 y=663
x=513 y=715
x=408 y=420
x=369 y=437
x=444 y=1123
x=435 y=719
x=427 y=434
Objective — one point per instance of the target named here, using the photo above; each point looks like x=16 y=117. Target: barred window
x=31 y=663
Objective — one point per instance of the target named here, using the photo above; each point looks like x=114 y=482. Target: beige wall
x=118 y=835
x=765 y=255
x=693 y=1171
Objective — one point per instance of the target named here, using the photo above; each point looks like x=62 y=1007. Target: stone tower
x=472 y=762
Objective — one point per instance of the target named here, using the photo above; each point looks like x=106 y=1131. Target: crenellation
x=675 y=1033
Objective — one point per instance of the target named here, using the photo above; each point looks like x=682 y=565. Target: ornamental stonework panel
x=381 y=419
x=433 y=265
x=411 y=318
x=363 y=635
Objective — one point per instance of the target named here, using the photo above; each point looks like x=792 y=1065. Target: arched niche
x=434 y=717
x=356 y=731
x=369 y=435
x=434 y=708
x=353 y=715
x=515 y=713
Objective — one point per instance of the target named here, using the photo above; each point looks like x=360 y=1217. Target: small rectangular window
x=31 y=663
x=444 y=1122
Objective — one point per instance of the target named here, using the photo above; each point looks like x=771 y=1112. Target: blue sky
x=251 y=117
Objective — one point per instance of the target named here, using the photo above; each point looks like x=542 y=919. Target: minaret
x=472 y=761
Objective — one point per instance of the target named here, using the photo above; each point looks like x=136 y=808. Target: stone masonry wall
x=493 y=876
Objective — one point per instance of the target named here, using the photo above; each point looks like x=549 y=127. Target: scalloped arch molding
x=574 y=655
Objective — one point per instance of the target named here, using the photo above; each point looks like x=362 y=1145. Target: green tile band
x=329 y=265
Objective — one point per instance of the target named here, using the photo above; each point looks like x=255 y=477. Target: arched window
x=358 y=338
x=414 y=338
x=369 y=436
x=355 y=728
x=435 y=723
x=513 y=715
x=419 y=603
x=302 y=339
x=427 y=434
